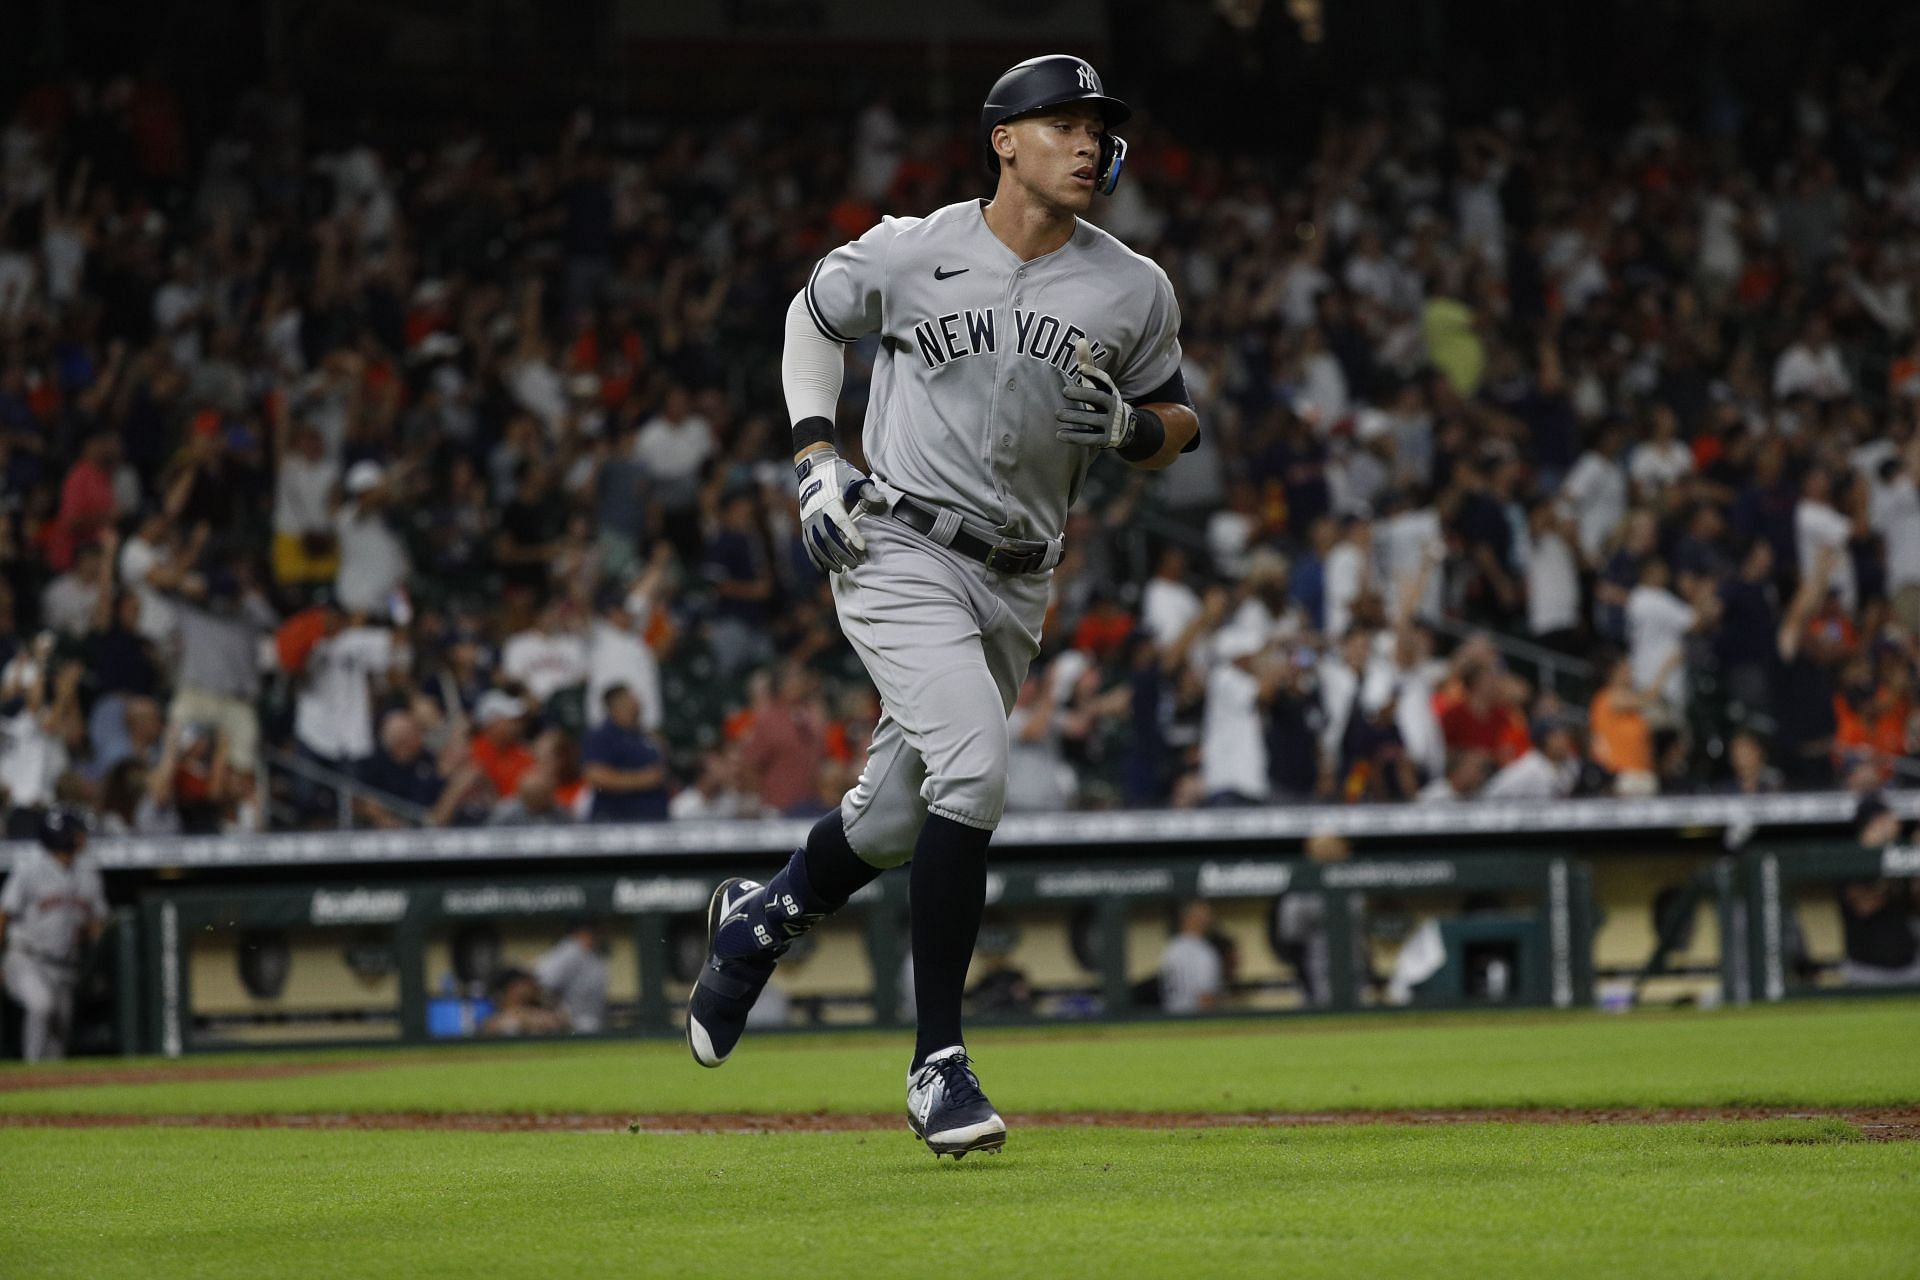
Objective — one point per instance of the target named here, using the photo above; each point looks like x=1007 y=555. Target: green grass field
x=1786 y=1196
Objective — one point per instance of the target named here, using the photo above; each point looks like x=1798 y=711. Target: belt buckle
x=1006 y=559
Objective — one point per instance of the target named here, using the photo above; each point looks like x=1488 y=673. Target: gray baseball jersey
x=48 y=905
x=974 y=346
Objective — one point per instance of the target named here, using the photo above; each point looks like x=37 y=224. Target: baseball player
x=51 y=908
x=1018 y=342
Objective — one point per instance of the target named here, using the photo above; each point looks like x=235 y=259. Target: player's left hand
x=1094 y=417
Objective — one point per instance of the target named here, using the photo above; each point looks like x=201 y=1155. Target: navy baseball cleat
x=947 y=1111
x=741 y=952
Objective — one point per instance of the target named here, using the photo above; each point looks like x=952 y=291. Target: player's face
x=1057 y=155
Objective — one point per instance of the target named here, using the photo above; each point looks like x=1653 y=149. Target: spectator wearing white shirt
x=674 y=446
x=1168 y=603
x=1268 y=612
x=1553 y=579
x=67 y=605
x=549 y=656
x=1894 y=512
x=1549 y=770
x=1233 y=742
x=1464 y=779
x=1349 y=573
x=333 y=711
x=306 y=547
x=373 y=561
x=1817 y=524
x=1192 y=979
x=1595 y=491
x=1658 y=623
x=1812 y=366
x=716 y=791
x=618 y=655
x=1409 y=542
x=1663 y=459
x=152 y=562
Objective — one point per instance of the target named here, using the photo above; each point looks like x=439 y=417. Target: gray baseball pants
x=947 y=642
x=46 y=996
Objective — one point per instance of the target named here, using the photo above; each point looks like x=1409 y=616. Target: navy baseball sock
x=817 y=880
x=833 y=869
x=949 y=889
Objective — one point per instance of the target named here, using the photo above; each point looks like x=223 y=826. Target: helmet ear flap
x=1113 y=155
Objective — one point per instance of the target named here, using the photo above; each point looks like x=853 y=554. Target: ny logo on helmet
x=1088 y=80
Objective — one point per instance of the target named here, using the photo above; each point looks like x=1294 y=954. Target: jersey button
x=1006 y=440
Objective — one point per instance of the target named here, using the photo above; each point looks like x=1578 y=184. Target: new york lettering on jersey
x=971 y=332
x=975 y=345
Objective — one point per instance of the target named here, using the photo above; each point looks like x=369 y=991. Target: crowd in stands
x=463 y=473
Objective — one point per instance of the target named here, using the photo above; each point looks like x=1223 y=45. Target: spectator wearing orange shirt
x=500 y=748
x=1870 y=716
x=1617 y=725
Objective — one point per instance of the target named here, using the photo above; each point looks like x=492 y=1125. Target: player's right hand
x=832 y=493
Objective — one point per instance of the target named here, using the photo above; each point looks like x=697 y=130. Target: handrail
x=1549 y=662
x=346 y=788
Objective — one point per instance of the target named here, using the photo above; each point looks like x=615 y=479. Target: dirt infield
x=1898 y=1124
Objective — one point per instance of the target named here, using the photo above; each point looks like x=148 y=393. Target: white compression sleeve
x=812 y=367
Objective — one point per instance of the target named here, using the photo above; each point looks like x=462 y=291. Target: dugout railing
x=1769 y=891
x=1547 y=924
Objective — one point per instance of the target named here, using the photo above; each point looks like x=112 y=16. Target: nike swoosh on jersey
x=938 y=274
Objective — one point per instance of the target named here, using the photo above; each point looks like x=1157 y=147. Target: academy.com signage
x=357 y=906
x=497 y=899
x=1388 y=875
x=1091 y=884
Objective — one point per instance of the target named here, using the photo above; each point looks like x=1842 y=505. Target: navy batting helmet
x=61 y=829
x=1048 y=81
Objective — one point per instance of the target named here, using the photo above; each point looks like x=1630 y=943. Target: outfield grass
x=1792 y=1198
x=1864 y=1053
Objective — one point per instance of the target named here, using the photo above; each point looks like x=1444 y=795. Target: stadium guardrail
x=1070 y=831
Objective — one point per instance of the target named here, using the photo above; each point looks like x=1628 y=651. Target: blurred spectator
x=222 y=619
x=1233 y=749
x=519 y=1008
x=1747 y=760
x=624 y=768
x=399 y=769
x=1192 y=979
x=499 y=749
x=617 y=648
x=1549 y=770
x=373 y=561
x=783 y=749
x=550 y=657
x=39 y=733
x=1880 y=924
x=535 y=801
x=333 y=709
x=737 y=570
x=1622 y=733
x=715 y=791
x=573 y=978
